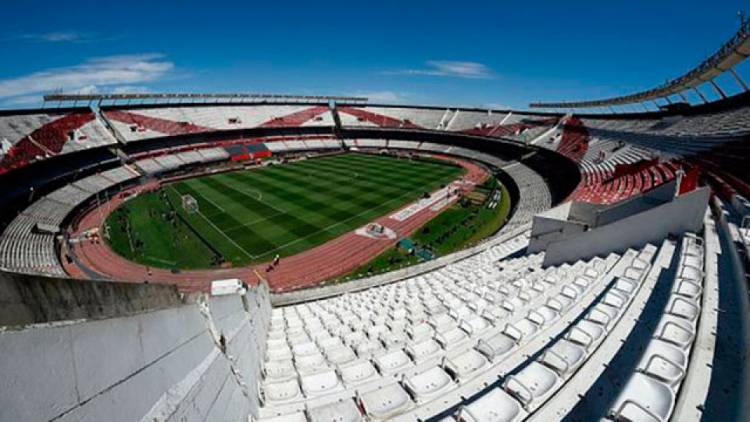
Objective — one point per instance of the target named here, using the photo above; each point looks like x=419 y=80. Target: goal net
x=190 y=204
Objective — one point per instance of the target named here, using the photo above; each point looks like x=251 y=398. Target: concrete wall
x=684 y=213
x=166 y=364
x=564 y=221
x=27 y=299
x=584 y=212
x=657 y=196
x=545 y=230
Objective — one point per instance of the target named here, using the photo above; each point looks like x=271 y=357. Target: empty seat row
x=24 y=248
x=531 y=385
x=315 y=358
x=651 y=391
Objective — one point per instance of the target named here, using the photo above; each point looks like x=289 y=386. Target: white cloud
x=455 y=69
x=56 y=37
x=86 y=90
x=90 y=75
x=60 y=36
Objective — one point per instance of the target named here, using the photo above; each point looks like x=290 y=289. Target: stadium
x=275 y=257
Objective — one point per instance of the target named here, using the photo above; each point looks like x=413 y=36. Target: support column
x=700 y=94
x=718 y=89
x=738 y=79
x=337 y=126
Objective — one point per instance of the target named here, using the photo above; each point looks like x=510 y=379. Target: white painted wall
x=161 y=365
x=660 y=195
x=545 y=230
x=684 y=213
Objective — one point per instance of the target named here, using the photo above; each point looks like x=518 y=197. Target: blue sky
x=490 y=53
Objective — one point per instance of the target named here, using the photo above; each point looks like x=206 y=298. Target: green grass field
x=249 y=216
x=456 y=228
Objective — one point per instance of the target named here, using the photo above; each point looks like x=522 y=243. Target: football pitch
x=250 y=216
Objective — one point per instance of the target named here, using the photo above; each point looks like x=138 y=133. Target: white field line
x=214 y=203
x=251 y=256
x=259 y=220
x=332 y=225
x=245 y=192
x=356 y=176
x=163 y=261
x=250 y=223
x=202 y=191
x=298 y=239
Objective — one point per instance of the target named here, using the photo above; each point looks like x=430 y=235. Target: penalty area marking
x=203 y=196
x=325 y=229
x=211 y=223
x=214 y=203
x=249 y=255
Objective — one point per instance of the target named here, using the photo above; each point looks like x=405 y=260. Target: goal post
x=190 y=204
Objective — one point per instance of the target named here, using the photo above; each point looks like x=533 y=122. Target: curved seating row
x=28 y=248
x=396 y=349
x=170 y=162
x=489 y=338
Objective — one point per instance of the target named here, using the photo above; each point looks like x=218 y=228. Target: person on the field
x=276 y=260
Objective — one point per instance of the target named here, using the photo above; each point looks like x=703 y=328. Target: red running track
x=331 y=259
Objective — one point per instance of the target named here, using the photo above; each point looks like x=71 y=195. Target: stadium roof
x=730 y=54
x=168 y=97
